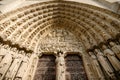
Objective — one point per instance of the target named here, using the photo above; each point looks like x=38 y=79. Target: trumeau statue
x=96 y=67
x=115 y=48
x=60 y=66
x=108 y=69
x=111 y=56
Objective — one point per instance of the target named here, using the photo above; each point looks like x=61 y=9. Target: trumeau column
x=29 y=74
x=60 y=66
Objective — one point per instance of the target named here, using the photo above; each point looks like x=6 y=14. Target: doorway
x=45 y=68
x=75 y=68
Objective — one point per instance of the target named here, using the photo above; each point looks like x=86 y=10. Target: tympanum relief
x=60 y=39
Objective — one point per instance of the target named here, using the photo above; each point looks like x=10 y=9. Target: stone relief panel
x=60 y=39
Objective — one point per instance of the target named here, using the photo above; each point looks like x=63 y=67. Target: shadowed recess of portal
x=75 y=69
x=45 y=68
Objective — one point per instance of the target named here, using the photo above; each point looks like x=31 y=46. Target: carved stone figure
x=60 y=67
x=14 y=67
x=111 y=56
x=31 y=67
x=108 y=69
x=4 y=49
x=96 y=67
x=22 y=69
x=4 y=65
x=116 y=49
x=14 y=50
x=88 y=67
x=1 y=52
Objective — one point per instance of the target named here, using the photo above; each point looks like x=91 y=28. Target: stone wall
x=113 y=5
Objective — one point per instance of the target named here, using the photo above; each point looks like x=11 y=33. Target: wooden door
x=74 y=68
x=45 y=68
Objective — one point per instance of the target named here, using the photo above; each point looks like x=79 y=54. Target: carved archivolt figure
x=111 y=56
x=60 y=67
x=96 y=67
x=116 y=49
x=108 y=69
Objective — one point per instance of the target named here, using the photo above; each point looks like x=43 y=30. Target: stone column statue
x=1 y=53
x=103 y=61
x=5 y=64
x=60 y=66
x=23 y=68
x=96 y=67
x=88 y=67
x=32 y=65
x=4 y=49
x=115 y=48
x=111 y=56
x=14 y=67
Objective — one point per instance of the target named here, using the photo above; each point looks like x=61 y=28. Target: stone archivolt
x=24 y=26
x=35 y=27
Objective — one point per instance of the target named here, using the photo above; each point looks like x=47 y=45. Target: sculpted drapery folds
x=60 y=66
x=12 y=71
x=104 y=63
x=5 y=64
x=97 y=70
x=115 y=48
x=1 y=54
x=22 y=69
x=76 y=26
x=111 y=57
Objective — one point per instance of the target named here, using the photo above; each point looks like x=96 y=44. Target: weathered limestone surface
x=111 y=56
x=104 y=63
x=115 y=48
x=28 y=32
x=97 y=69
x=60 y=67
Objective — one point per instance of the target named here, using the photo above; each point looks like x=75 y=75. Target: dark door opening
x=74 y=68
x=45 y=68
